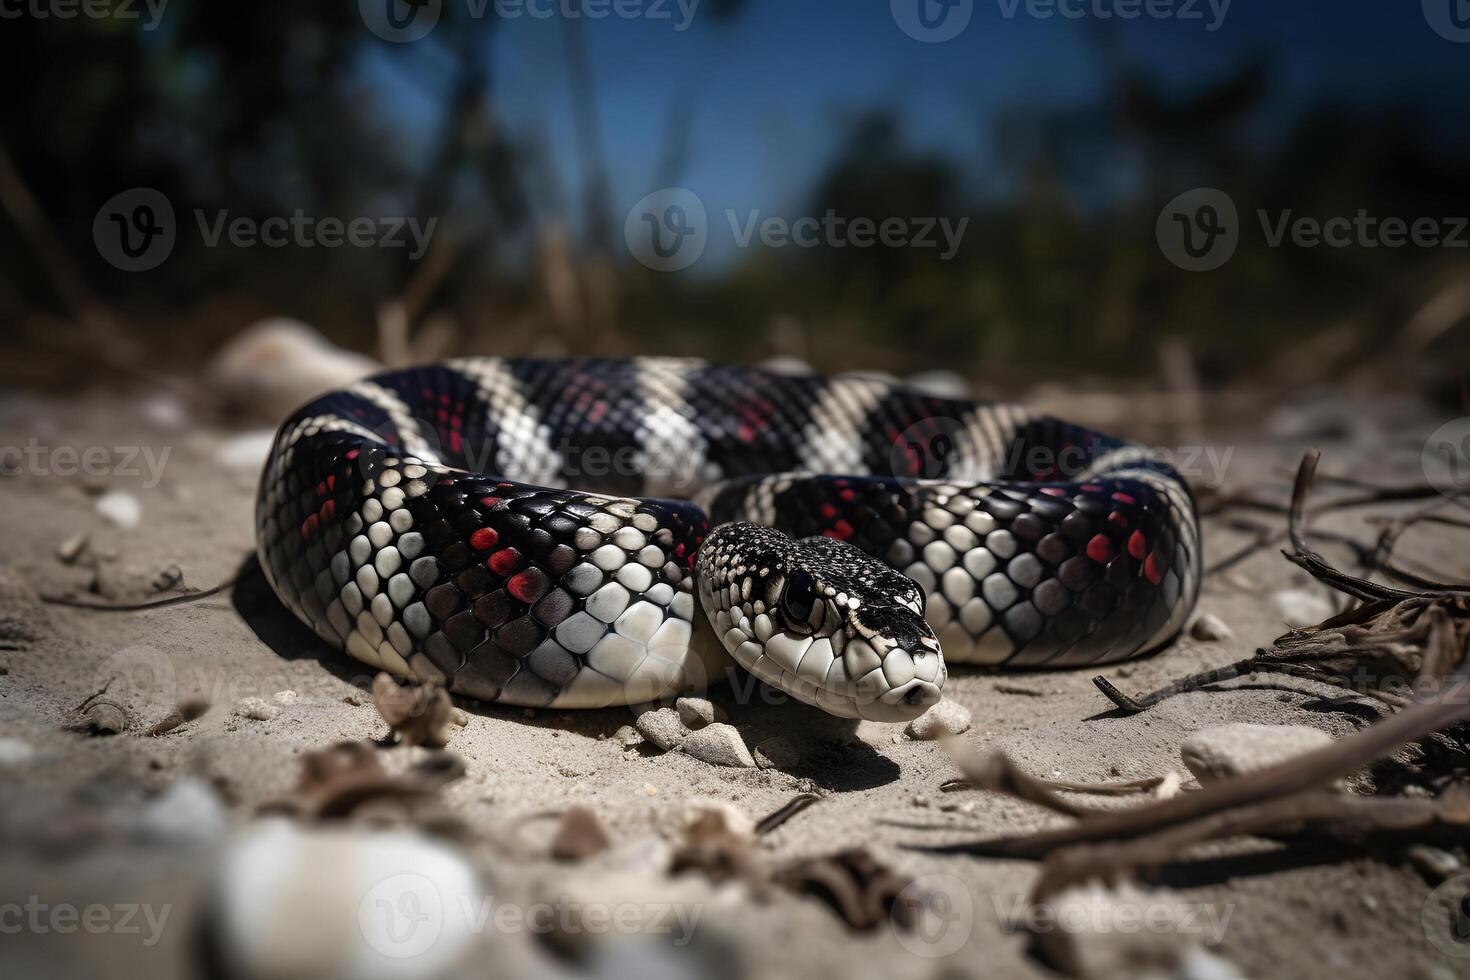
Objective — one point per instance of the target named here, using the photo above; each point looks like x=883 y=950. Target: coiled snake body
x=850 y=535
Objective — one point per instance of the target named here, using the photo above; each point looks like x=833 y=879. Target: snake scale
x=554 y=532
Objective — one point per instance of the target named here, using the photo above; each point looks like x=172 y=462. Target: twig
x=173 y=600
x=792 y=807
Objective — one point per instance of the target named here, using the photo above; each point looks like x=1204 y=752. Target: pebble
x=284 y=697
x=1223 y=751
x=940 y=384
x=1101 y=943
x=14 y=752
x=256 y=709
x=1210 y=628
x=188 y=812
x=1438 y=864
x=945 y=718
x=628 y=737
x=777 y=752
x=71 y=549
x=662 y=727
x=698 y=712
x=708 y=821
x=719 y=745
x=247 y=452
x=287 y=901
x=578 y=836
x=1302 y=608
x=120 y=509
x=277 y=364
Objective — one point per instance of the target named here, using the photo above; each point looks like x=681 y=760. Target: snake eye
x=799 y=597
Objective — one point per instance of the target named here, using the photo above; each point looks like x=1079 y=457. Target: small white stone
x=945 y=718
x=719 y=745
x=120 y=508
x=256 y=709
x=698 y=712
x=1210 y=628
x=1302 y=608
x=14 y=752
x=1222 y=751
x=286 y=697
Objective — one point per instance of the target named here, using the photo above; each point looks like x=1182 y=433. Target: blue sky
x=773 y=88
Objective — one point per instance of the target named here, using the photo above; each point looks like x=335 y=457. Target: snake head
x=822 y=621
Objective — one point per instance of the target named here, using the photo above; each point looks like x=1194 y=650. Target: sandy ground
x=88 y=821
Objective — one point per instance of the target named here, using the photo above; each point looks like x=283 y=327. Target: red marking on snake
x=1118 y=521
x=455 y=443
x=352 y=453
x=1123 y=498
x=504 y=561
x=523 y=586
x=308 y=526
x=484 y=539
x=848 y=495
x=827 y=511
x=1054 y=491
x=328 y=511
x=841 y=531
x=1100 y=549
x=1152 y=569
x=1137 y=545
x=489 y=501
x=1091 y=488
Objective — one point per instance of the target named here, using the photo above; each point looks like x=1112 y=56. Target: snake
x=584 y=532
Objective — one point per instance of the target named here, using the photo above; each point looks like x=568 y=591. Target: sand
x=74 y=804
